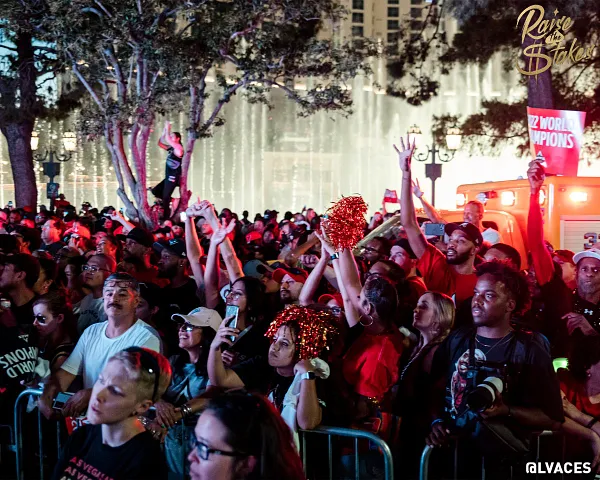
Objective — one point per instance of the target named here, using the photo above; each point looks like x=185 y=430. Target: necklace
x=502 y=341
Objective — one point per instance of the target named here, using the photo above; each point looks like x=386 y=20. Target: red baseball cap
x=326 y=298
x=297 y=274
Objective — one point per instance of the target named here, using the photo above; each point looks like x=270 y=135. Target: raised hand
x=326 y=245
x=219 y=235
x=405 y=153
x=536 y=175
x=416 y=188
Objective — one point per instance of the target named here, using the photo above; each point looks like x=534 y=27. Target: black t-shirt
x=251 y=344
x=23 y=314
x=521 y=359
x=173 y=167
x=175 y=300
x=17 y=363
x=86 y=457
x=256 y=374
x=53 y=248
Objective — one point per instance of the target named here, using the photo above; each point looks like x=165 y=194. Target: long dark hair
x=254 y=428
x=58 y=303
x=255 y=298
x=208 y=335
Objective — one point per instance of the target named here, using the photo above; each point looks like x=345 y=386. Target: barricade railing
x=330 y=432
x=20 y=405
x=427 y=451
x=356 y=435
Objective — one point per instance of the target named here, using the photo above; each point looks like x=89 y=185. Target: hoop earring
x=366 y=324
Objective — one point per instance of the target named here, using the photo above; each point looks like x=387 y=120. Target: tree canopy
x=141 y=58
x=488 y=28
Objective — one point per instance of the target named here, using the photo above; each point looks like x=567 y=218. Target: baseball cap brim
x=592 y=253
x=280 y=273
x=451 y=227
x=204 y=318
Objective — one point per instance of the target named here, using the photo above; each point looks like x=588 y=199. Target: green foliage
x=488 y=28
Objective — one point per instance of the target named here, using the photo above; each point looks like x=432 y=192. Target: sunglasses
x=187 y=327
x=41 y=319
x=93 y=269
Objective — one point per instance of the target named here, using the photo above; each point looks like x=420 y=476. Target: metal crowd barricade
x=427 y=451
x=356 y=435
x=19 y=408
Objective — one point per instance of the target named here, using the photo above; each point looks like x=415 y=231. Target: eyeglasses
x=39 y=318
x=94 y=269
x=370 y=250
x=203 y=450
x=234 y=295
x=187 y=327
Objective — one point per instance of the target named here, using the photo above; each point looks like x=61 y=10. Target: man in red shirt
x=452 y=273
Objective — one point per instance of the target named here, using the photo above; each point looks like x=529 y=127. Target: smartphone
x=182 y=217
x=436 y=229
x=232 y=311
x=60 y=400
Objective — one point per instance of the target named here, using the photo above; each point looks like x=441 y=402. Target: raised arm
x=162 y=141
x=218 y=375
x=170 y=139
x=291 y=257
x=542 y=260
x=348 y=279
x=127 y=226
x=307 y=295
x=430 y=210
x=408 y=217
x=192 y=244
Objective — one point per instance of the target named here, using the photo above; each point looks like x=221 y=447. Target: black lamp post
x=52 y=169
x=433 y=170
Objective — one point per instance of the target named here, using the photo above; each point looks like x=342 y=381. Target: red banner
x=558 y=136
x=390 y=196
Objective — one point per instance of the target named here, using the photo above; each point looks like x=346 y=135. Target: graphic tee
x=173 y=164
x=85 y=457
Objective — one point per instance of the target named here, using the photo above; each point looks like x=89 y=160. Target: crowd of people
x=201 y=348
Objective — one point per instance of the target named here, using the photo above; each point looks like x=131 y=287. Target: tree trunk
x=184 y=193
x=18 y=138
x=539 y=87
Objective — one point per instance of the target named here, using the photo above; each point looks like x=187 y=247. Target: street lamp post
x=433 y=170
x=52 y=169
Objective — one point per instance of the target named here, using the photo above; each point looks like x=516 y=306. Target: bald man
x=91 y=308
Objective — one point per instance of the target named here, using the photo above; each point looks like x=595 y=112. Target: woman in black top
x=55 y=326
x=171 y=142
x=116 y=445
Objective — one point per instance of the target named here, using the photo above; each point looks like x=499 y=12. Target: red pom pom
x=345 y=222
x=316 y=329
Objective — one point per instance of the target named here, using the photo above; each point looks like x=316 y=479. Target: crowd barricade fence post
x=427 y=452
x=356 y=435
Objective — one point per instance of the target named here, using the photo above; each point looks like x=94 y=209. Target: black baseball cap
x=139 y=235
x=175 y=246
x=470 y=230
x=405 y=245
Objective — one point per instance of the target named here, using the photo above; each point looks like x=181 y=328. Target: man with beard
x=562 y=309
x=376 y=249
x=90 y=309
x=19 y=274
x=180 y=295
x=99 y=342
x=291 y=282
x=138 y=244
x=452 y=273
x=527 y=394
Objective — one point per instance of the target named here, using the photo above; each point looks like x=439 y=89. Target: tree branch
x=222 y=101
x=85 y=83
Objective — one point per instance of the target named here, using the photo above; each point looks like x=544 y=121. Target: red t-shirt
x=371 y=365
x=417 y=288
x=441 y=277
x=576 y=394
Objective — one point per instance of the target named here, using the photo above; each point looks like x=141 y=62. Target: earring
x=589 y=374
x=366 y=324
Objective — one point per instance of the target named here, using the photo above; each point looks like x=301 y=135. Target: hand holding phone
x=232 y=311
x=436 y=229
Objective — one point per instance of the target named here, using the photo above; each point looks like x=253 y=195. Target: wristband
x=592 y=422
x=308 y=376
x=335 y=256
x=186 y=411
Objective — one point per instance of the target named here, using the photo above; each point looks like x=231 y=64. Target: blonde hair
x=444 y=314
x=140 y=364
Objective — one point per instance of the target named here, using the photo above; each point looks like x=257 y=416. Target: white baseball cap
x=591 y=253
x=200 y=317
